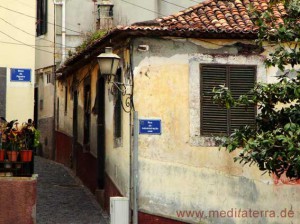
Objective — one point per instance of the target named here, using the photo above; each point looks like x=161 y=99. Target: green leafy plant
x=273 y=144
x=16 y=137
x=90 y=38
x=10 y=135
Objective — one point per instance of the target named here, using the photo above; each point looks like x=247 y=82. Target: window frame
x=227 y=84
x=41 y=17
x=48 y=78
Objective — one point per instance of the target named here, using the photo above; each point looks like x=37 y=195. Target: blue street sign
x=20 y=75
x=150 y=126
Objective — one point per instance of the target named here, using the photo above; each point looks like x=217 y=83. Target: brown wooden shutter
x=242 y=79
x=216 y=120
x=213 y=116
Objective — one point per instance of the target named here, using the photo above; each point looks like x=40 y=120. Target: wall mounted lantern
x=108 y=66
x=108 y=63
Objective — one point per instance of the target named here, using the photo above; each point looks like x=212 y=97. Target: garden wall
x=18 y=199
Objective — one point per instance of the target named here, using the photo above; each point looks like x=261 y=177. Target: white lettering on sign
x=150 y=127
x=21 y=76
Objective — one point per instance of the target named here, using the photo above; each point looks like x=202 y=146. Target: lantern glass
x=108 y=62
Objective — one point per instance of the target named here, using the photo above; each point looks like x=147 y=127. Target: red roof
x=211 y=18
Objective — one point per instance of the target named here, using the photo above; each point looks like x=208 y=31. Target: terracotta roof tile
x=208 y=18
x=220 y=16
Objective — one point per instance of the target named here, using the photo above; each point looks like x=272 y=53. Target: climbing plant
x=273 y=144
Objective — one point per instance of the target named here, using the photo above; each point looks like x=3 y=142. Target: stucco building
x=61 y=27
x=64 y=25
x=17 y=44
x=167 y=70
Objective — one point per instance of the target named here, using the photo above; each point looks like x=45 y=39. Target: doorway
x=101 y=132
x=75 y=130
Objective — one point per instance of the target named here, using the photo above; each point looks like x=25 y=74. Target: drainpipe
x=135 y=167
x=54 y=83
x=63 y=29
x=134 y=160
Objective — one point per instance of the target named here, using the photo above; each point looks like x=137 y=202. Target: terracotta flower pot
x=12 y=155
x=26 y=155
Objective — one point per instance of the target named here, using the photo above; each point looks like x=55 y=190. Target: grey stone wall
x=46 y=128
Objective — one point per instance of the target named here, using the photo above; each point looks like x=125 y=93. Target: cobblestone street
x=61 y=198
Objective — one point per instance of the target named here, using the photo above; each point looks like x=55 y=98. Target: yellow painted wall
x=64 y=118
x=18 y=51
x=180 y=170
x=117 y=157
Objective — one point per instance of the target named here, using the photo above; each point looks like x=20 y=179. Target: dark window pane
x=42 y=17
x=87 y=110
x=118 y=108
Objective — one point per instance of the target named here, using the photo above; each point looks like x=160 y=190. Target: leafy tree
x=273 y=144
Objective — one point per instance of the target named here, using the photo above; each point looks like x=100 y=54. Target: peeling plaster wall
x=76 y=82
x=117 y=162
x=64 y=118
x=117 y=157
x=180 y=170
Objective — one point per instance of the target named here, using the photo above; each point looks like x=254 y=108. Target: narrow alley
x=61 y=198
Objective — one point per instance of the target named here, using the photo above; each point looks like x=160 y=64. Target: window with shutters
x=41 y=16
x=216 y=120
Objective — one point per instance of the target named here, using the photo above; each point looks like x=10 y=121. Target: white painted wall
x=131 y=11
x=45 y=56
x=80 y=19
x=18 y=51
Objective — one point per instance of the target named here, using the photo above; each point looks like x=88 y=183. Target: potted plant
x=29 y=140
x=3 y=124
x=13 y=139
x=2 y=151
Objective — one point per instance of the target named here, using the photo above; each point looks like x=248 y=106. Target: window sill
x=41 y=36
x=206 y=141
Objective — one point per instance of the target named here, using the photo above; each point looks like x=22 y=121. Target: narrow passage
x=61 y=199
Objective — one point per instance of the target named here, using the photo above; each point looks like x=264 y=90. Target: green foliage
x=17 y=137
x=90 y=39
x=36 y=139
x=284 y=32
x=274 y=143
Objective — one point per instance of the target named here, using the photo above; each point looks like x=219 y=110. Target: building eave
x=114 y=37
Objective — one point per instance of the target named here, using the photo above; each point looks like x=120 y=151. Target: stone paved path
x=61 y=198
